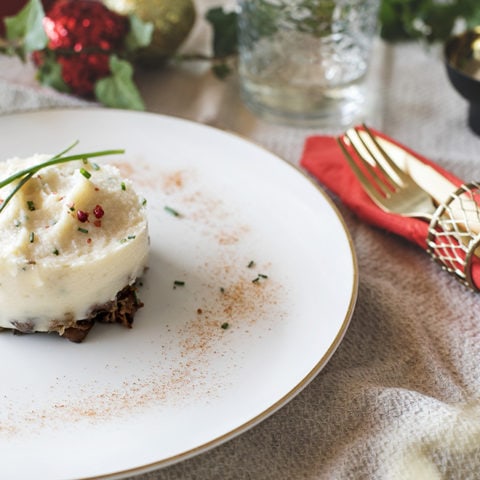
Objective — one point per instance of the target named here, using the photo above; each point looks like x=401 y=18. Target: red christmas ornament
x=80 y=72
x=83 y=34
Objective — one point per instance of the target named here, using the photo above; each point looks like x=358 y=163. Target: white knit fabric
x=400 y=399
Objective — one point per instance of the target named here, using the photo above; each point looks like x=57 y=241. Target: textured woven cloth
x=400 y=398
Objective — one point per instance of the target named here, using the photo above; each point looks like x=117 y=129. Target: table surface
x=400 y=397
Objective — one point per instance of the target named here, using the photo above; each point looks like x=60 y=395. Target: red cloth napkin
x=323 y=159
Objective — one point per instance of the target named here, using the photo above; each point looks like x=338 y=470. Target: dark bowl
x=462 y=58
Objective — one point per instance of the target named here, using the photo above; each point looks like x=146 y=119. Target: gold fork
x=387 y=185
x=395 y=191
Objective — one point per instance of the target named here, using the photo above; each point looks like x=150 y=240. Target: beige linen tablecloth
x=400 y=399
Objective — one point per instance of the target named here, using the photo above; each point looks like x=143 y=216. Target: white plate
x=128 y=401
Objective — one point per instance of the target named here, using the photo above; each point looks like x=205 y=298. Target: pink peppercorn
x=82 y=216
x=98 y=211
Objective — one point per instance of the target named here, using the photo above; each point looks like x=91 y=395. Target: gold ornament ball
x=172 y=21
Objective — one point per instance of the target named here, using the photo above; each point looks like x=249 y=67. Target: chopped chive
x=251 y=264
x=225 y=325
x=222 y=290
x=144 y=202
x=32 y=237
x=258 y=277
x=126 y=239
x=55 y=251
x=178 y=283
x=83 y=230
x=123 y=186
x=30 y=205
x=95 y=166
x=171 y=211
x=86 y=174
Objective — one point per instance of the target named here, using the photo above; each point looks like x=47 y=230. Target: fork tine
x=366 y=182
x=372 y=161
x=383 y=182
x=384 y=155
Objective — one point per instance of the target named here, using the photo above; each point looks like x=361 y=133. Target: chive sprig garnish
x=26 y=174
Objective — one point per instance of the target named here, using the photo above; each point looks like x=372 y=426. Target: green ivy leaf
x=441 y=21
x=50 y=73
x=139 y=35
x=118 y=90
x=25 y=30
x=474 y=20
x=224 y=31
x=221 y=70
x=392 y=28
x=431 y=20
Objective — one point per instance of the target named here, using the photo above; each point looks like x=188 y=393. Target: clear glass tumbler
x=304 y=62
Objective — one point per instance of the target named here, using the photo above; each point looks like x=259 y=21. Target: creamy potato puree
x=68 y=243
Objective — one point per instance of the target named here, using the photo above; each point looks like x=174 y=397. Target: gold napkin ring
x=454 y=233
